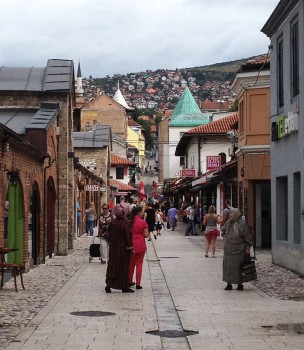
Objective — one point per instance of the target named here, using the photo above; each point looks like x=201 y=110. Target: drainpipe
x=44 y=206
x=199 y=155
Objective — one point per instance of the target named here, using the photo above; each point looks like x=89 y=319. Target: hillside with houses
x=161 y=89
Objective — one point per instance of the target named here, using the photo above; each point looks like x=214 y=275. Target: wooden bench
x=16 y=269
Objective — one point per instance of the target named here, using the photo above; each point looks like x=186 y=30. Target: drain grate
x=92 y=313
x=172 y=333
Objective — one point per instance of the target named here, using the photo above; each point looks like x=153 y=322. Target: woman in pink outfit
x=140 y=231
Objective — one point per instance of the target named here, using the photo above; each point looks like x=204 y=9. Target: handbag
x=168 y=225
x=248 y=270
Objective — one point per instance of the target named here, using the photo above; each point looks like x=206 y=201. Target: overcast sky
x=125 y=36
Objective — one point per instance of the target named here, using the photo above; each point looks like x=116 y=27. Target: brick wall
x=104 y=110
x=64 y=220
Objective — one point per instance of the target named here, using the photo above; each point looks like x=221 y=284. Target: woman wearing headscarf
x=121 y=248
x=238 y=241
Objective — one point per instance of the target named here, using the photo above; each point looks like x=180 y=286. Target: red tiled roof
x=132 y=122
x=121 y=186
x=261 y=59
x=220 y=126
x=117 y=160
x=144 y=117
x=207 y=104
x=153 y=128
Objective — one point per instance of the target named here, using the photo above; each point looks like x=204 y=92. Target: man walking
x=190 y=211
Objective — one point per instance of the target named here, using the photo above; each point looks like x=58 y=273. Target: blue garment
x=190 y=228
x=90 y=227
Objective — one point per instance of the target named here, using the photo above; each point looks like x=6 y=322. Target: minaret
x=79 y=90
x=118 y=97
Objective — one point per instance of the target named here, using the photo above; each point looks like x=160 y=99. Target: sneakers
x=240 y=287
x=128 y=290
x=138 y=287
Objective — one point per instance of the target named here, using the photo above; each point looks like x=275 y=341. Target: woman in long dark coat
x=238 y=241
x=121 y=248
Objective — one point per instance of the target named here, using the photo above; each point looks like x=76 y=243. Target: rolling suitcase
x=94 y=250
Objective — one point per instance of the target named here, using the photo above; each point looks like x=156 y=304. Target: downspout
x=45 y=206
x=199 y=155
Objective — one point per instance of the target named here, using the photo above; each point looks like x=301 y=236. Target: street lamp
x=232 y=135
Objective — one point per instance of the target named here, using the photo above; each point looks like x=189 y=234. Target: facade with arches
x=36 y=170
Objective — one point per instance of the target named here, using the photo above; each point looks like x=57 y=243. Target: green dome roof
x=187 y=112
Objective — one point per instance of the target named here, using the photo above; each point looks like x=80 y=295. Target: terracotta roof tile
x=144 y=117
x=207 y=104
x=121 y=186
x=153 y=128
x=132 y=122
x=117 y=160
x=261 y=59
x=220 y=126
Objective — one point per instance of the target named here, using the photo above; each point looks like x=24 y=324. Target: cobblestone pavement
x=274 y=280
x=42 y=283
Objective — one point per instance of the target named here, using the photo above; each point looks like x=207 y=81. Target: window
x=282 y=208
x=297 y=208
x=280 y=72
x=241 y=109
x=182 y=161
x=295 y=57
x=119 y=172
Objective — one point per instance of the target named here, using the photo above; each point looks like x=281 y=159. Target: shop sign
x=187 y=173
x=213 y=162
x=92 y=188
x=287 y=124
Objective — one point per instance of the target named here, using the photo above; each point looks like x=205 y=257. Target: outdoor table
x=15 y=268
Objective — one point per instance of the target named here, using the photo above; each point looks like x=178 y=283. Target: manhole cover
x=169 y=257
x=295 y=327
x=173 y=333
x=92 y=313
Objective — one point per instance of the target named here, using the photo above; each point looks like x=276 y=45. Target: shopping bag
x=249 y=271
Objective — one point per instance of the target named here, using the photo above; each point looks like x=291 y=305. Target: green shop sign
x=287 y=124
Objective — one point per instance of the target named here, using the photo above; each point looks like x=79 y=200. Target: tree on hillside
x=146 y=124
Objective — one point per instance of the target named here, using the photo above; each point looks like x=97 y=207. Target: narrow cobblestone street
x=43 y=282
